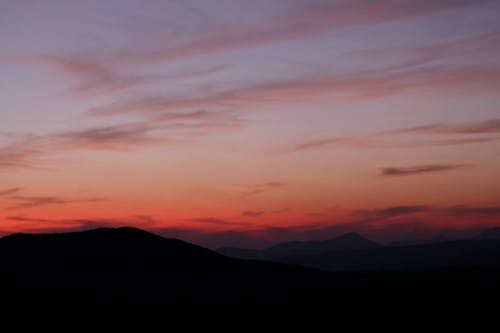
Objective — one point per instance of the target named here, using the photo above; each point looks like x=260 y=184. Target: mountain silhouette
x=128 y=274
x=462 y=253
x=346 y=242
x=491 y=233
x=437 y=239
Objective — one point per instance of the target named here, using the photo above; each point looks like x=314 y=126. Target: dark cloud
x=213 y=220
x=491 y=210
x=251 y=213
x=403 y=210
x=373 y=142
x=469 y=134
x=24 y=202
x=490 y=126
x=419 y=169
x=10 y=191
x=33 y=201
x=262 y=188
x=20 y=218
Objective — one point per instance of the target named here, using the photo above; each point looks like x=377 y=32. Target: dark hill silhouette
x=346 y=242
x=491 y=233
x=463 y=253
x=436 y=239
x=126 y=274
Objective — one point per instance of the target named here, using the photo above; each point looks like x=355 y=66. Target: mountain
x=436 y=239
x=346 y=242
x=124 y=275
x=463 y=253
x=491 y=233
x=129 y=273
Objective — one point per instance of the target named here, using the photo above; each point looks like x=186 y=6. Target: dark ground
x=127 y=274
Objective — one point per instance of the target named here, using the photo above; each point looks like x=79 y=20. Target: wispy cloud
x=419 y=169
x=490 y=126
x=394 y=138
x=94 y=77
x=481 y=211
x=160 y=130
x=326 y=89
x=33 y=201
x=24 y=202
x=43 y=225
x=388 y=213
x=19 y=200
x=21 y=218
x=408 y=210
x=252 y=213
x=369 y=142
x=304 y=19
x=216 y=221
x=10 y=191
x=403 y=210
x=262 y=188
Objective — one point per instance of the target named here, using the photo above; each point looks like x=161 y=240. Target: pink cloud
x=328 y=89
x=161 y=130
x=304 y=19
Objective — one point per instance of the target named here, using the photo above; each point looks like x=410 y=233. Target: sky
x=245 y=123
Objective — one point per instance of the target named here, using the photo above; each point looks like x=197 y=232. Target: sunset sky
x=235 y=122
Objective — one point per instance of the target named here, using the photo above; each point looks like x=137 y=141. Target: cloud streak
x=258 y=189
x=469 y=133
x=161 y=130
x=216 y=221
x=419 y=169
x=328 y=89
x=304 y=19
x=96 y=78
x=21 y=201
x=251 y=213
x=490 y=126
x=24 y=202
x=10 y=191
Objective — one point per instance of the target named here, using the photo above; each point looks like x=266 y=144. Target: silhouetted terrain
x=126 y=274
x=491 y=233
x=350 y=241
x=437 y=239
x=463 y=253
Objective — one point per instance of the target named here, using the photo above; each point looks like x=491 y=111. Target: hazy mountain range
x=349 y=241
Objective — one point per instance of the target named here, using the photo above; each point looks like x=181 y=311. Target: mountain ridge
x=344 y=242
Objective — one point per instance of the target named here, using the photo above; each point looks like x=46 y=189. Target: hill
x=463 y=253
x=346 y=242
x=491 y=233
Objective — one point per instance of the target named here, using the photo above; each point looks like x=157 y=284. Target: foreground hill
x=125 y=274
x=350 y=241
